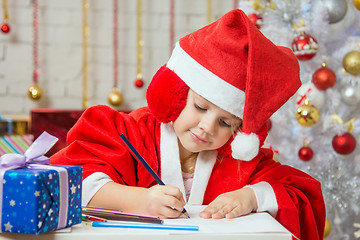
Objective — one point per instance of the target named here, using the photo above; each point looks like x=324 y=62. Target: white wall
x=60 y=49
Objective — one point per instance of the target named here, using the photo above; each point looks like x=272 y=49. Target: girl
x=201 y=132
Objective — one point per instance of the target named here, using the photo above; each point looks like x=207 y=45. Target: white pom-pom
x=245 y=146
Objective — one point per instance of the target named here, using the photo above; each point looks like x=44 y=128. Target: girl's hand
x=160 y=200
x=163 y=201
x=231 y=204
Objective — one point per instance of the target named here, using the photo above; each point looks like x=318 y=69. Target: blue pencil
x=145 y=226
x=146 y=165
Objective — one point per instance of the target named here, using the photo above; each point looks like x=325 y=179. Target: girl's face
x=203 y=126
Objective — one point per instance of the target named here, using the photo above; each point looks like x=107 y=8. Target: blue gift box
x=35 y=200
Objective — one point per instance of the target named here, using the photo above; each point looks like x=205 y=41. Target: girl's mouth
x=198 y=139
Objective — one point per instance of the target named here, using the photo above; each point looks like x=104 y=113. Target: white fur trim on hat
x=245 y=146
x=206 y=83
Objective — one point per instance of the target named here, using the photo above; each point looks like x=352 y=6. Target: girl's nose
x=207 y=124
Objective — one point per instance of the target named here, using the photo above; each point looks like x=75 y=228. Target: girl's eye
x=199 y=107
x=224 y=123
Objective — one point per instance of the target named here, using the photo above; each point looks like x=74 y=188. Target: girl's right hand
x=163 y=201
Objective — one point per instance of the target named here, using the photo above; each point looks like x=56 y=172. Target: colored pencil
x=120 y=216
x=145 y=226
x=115 y=211
x=86 y=217
x=137 y=155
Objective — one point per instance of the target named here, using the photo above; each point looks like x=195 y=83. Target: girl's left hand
x=231 y=204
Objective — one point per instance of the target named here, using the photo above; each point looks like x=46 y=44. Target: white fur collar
x=171 y=168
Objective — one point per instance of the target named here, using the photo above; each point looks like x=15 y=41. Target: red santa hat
x=234 y=66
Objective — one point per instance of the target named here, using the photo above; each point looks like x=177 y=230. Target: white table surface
x=255 y=226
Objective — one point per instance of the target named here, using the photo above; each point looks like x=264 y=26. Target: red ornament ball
x=305 y=153
x=268 y=124
x=256 y=19
x=324 y=78
x=304 y=47
x=139 y=83
x=5 y=28
x=344 y=144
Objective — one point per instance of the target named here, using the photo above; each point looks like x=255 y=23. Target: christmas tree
x=318 y=129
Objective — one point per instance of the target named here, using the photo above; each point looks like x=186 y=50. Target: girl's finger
x=168 y=212
x=174 y=191
x=223 y=212
x=210 y=210
x=173 y=203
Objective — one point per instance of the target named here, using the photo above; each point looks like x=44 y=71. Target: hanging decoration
x=351 y=62
x=172 y=26
x=312 y=93
x=350 y=95
x=5 y=27
x=268 y=145
x=209 y=11
x=139 y=82
x=357 y=233
x=304 y=45
x=256 y=19
x=344 y=143
x=307 y=115
x=115 y=98
x=306 y=153
x=327 y=229
x=35 y=92
x=336 y=9
x=85 y=62
x=324 y=77
x=357 y=4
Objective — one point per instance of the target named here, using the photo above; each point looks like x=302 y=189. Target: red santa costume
x=231 y=64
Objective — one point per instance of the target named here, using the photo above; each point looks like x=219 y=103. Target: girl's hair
x=188 y=163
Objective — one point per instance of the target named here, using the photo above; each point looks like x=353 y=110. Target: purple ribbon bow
x=34 y=155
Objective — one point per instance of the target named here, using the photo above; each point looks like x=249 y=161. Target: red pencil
x=93 y=218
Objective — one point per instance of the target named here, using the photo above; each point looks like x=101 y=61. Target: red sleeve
x=94 y=143
x=301 y=207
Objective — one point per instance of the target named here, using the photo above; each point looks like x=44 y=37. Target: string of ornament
x=172 y=26
x=115 y=98
x=5 y=27
x=209 y=11
x=35 y=92
x=139 y=82
x=85 y=62
x=235 y=4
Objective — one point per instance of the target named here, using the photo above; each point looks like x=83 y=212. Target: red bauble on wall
x=139 y=82
x=305 y=153
x=324 y=78
x=304 y=46
x=344 y=144
x=5 y=28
